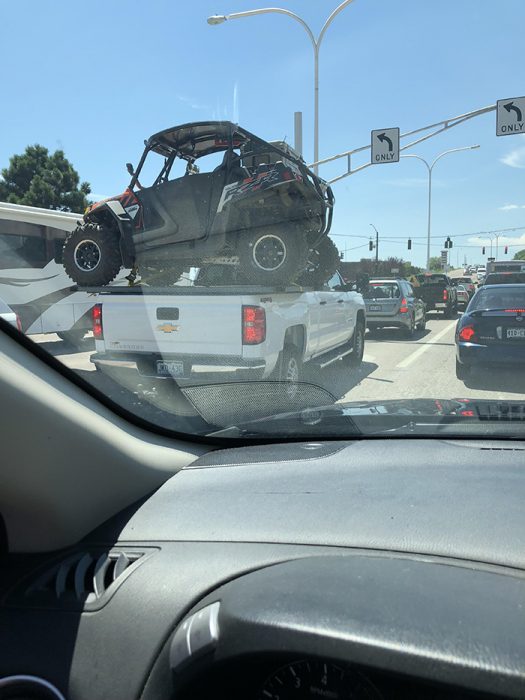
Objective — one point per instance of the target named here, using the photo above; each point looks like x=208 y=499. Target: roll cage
x=192 y=141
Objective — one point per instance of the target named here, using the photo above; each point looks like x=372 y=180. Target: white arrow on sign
x=510 y=116
x=385 y=145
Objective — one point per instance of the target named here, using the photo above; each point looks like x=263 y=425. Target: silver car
x=392 y=303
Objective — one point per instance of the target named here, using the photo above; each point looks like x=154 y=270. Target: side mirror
x=130 y=169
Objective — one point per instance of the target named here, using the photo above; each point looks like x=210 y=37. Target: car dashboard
x=364 y=569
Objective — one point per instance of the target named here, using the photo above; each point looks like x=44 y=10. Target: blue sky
x=96 y=78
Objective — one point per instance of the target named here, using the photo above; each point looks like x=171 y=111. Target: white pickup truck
x=198 y=333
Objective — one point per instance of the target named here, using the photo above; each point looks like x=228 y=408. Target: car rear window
x=432 y=279
x=505 y=278
x=382 y=290
x=499 y=298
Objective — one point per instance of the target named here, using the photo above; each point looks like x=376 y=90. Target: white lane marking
x=417 y=353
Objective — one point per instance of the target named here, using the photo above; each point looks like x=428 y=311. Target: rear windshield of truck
x=432 y=279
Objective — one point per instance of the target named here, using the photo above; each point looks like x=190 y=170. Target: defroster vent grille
x=85 y=579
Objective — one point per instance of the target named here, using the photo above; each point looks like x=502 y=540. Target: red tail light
x=97 y=322
x=18 y=323
x=467 y=333
x=445 y=295
x=404 y=306
x=253 y=325
x=515 y=311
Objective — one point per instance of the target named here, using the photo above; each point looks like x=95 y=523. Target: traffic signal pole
x=377 y=247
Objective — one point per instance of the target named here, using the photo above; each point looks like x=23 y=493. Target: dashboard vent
x=85 y=579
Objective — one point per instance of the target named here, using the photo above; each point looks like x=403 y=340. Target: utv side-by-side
x=260 y=209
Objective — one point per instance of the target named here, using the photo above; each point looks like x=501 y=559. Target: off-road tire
x=322 y=264
x=92 y=245
x=260 y=250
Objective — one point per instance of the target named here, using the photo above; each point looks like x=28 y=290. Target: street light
x=430 y=167
x=316 y=44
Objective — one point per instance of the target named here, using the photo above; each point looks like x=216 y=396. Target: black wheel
x=272 y=255
x=355 y=358
x=72 y=337
x=289 y=370
x=162 y=275
x=322 y=264
x=422 y=324
x=449 y=312
x=91 y=255
x=462 y=371
x=409 y=330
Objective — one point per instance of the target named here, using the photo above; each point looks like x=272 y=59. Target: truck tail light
x=253 y=325
x=445 y=295
x=467 y=333
x=98 y=333
x=404 y=306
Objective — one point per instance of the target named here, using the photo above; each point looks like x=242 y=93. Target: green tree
x=40 y=179
x=520 y=255
x=435 y=264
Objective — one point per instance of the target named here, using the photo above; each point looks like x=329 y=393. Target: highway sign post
x=385 y=145
x=510 y=116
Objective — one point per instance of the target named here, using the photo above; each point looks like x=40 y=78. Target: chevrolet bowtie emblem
x=167 y=328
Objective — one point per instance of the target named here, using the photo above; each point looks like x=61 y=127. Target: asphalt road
x=393 y=367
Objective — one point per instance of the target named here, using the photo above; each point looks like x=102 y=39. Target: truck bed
x=229 y=290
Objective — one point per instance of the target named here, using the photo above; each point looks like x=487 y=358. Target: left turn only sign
x=385 y=145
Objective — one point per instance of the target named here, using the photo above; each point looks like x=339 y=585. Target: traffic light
x=506 y=249
x=448 y=242
x=370 y=245
x=483 y=251
x=409 y=244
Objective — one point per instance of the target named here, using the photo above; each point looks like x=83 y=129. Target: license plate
x=170 y=368
x=440 y=305
x=375 y=307
x=515 y=332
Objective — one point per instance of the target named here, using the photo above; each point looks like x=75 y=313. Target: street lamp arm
x=452 y=150
x=330 y=19
x=413 y=155
x=281 y=11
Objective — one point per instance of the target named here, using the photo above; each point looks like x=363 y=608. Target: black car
x=504 y=278
x=260 y=209
x=492 y=329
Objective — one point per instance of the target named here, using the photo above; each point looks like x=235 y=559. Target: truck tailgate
x=173 y=324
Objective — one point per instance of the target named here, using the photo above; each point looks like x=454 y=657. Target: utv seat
x=236 y=172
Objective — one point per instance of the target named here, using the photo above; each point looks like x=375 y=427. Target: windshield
x=240 y=233
x=505 y=297
x=381 y=290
